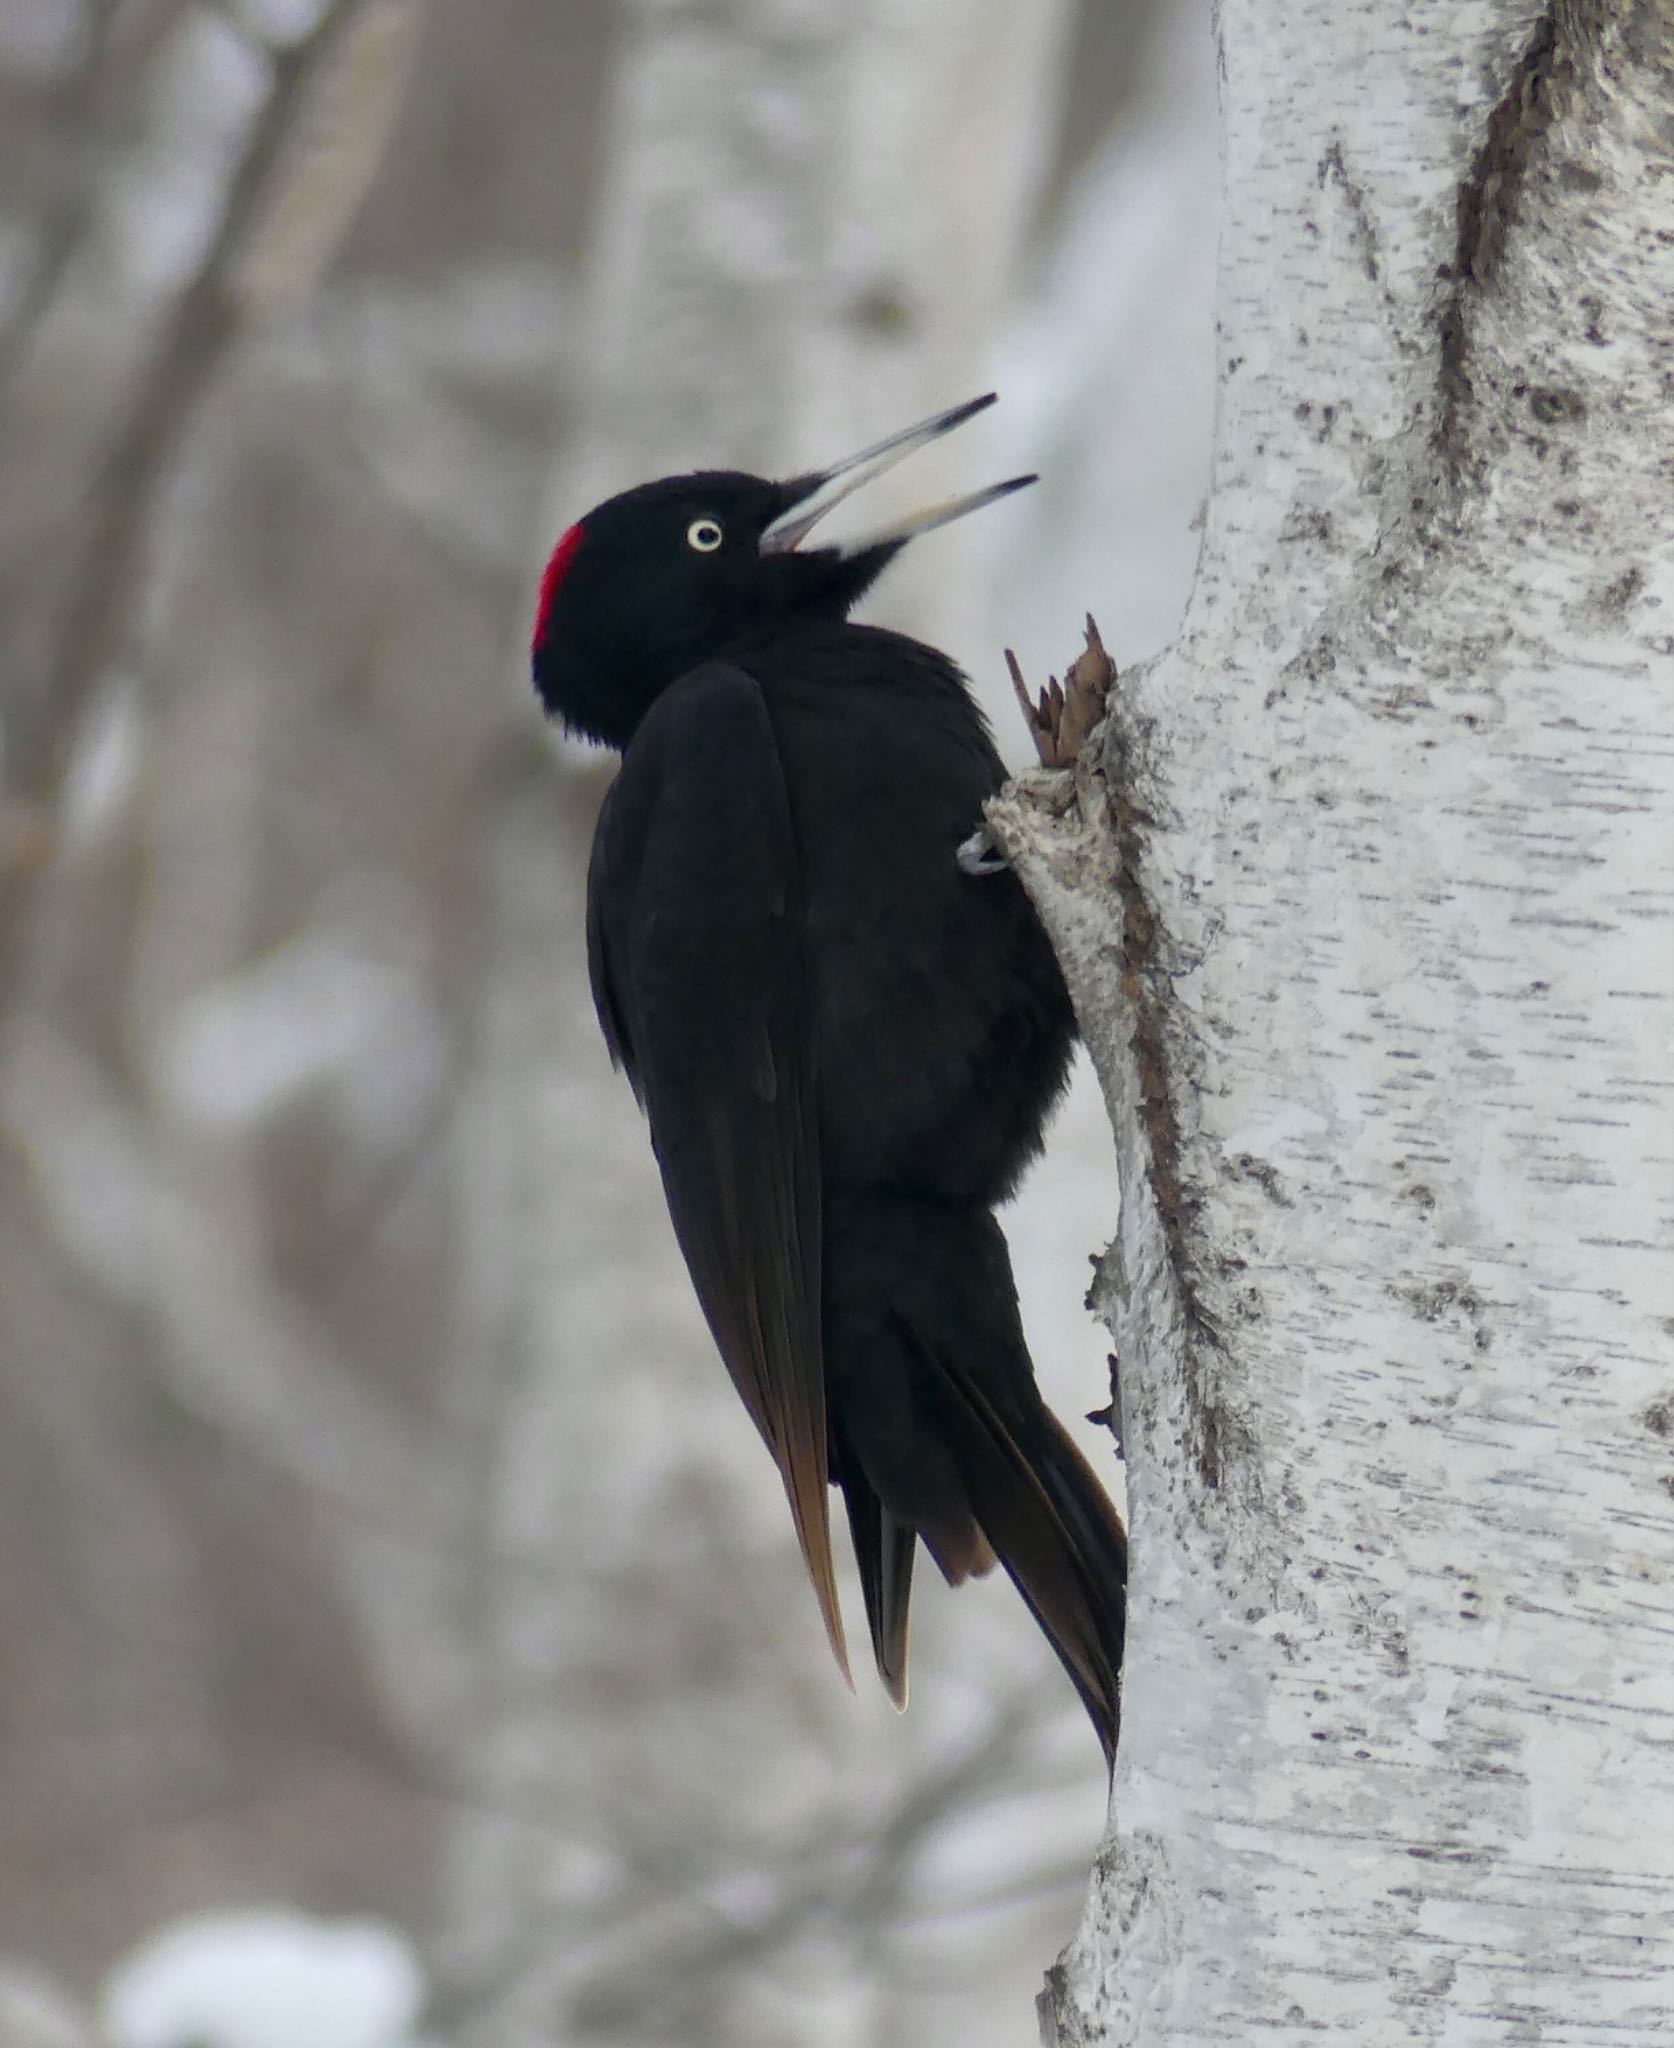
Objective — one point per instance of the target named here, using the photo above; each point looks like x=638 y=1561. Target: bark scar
x=1144 y=985
x=1486 y=210
x=1104 y=793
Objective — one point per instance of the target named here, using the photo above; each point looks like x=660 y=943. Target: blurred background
x=401 y=1634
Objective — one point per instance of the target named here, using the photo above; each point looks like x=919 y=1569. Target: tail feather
x=883 y=1550
x=1055 y=1532
x=939 y=1433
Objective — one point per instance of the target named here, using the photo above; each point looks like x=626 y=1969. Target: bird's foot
x=1110 y=1416
x=1066 y=712
x=978 y=855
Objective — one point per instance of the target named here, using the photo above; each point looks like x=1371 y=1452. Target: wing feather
x=696 y=947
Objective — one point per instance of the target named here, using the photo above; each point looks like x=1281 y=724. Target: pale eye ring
x=705 y=535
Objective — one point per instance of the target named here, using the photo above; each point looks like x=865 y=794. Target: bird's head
x=693 y=568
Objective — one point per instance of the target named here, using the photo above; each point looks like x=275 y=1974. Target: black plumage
x=847 y=1047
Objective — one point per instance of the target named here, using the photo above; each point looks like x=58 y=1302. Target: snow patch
x=268 y=1979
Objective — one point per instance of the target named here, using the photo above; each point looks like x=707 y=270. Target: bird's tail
x=939 y=1430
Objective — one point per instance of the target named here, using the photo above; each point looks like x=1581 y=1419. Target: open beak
x=818 y=493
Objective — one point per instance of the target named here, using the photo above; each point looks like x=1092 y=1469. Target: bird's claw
x=978 y=855
x=1066 y=712
x=1110 y=1416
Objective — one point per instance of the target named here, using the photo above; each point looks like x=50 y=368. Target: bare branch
x=104 y=588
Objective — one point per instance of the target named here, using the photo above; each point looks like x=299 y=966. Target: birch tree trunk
x=1369 y=911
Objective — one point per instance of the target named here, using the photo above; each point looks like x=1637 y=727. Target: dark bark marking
x=1265 y=1176
x=1618 y=595
x=1333 y=169
x=1449 y=1300
x=1549 y=404
x=1485 y=211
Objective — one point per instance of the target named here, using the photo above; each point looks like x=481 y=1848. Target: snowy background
x=401 y=1637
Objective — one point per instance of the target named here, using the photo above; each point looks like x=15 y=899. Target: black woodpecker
x=846 y=1045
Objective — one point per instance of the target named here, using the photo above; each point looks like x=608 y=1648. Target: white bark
x=1384 y=1009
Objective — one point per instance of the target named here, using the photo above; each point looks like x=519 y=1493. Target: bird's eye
x=704 y=535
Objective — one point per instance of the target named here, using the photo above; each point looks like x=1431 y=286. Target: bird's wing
x=605 y=1000
x=695 y=924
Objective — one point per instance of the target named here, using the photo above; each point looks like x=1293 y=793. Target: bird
x=846 y=1042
